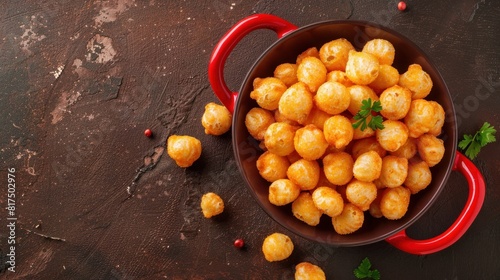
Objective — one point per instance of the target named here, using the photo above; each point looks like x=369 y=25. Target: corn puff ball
x=267 y=92
x=277 y=247
x=420 y=118
x=393 y=136
x=417 y=81
x=183 y=149
x=430 y=149
x=257 y=121
x=382 y=49
x=310 y=142
x=419 y=176
x=339 y=77
x=394 y=171
x=303 y=208
x=439 y=117
x=408 y=150
x=395 y=102
x=278 y=117
x=374 y=209
x=362 y=68
x=394 y=202
x=367 y=166
x=338 y=168
x=361 y=193
x=296 y=103
x=332 y=98
x=335 y=54
x=211 y=205
x=272 y=167
x=216 y=119
x=388 y=76
x=328 y=200
x=367 y=144
x=312 y=72
x=304 y=173
x=317 y=117
x=282 y=192
x=310 y=52
x=358 y=94
x=338 y=131
x=279 y=138
x=361 y=134
x=309 y=271
x=287 y=73
x=350 y=220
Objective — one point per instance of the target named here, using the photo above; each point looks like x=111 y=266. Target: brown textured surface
x=81 y=80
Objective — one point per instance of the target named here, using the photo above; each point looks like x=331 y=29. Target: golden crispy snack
x=338 y=168
x=367 y=166
x=287 y=73
x=394 y=202
x=272 y=167
x=419 y=176
x=312 y=72
x=282 y=192
x=335 y=54
x=310 y=142
x=394 y=171
x=395 y=102
x=417 y=81
x=257 y=120
x=267 y=92
x=304 y=173
x=332 y=98
x=350 y=220
x=420 y=118
x=296 y=103
x=382 y=49
x=303 y=208
x=430 y=149
x=216 y=119
x=278 y=138
x=183 y=149
x=328 y=200
x=362 y=68
x=388 y=76
x=211 y=205
x=277 y=247
x=393 y=136
x=360 y=193
x=338 y=131
x=309 y=271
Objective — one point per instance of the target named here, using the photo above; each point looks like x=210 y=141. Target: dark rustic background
x=81 y=80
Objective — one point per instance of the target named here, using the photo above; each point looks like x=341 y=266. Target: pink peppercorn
x=402 y=6
x=239 y=243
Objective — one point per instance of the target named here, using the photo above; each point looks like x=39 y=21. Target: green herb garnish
x=366 y=111
x=473 y=144
x=364 y=272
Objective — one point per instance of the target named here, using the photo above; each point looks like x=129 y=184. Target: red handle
x=475 y=200
x=227 y=44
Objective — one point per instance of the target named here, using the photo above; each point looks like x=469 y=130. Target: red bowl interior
x=286 y=50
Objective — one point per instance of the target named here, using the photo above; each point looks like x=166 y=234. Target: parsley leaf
x=365 y=113
x=363 y=271
x=473 y=144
